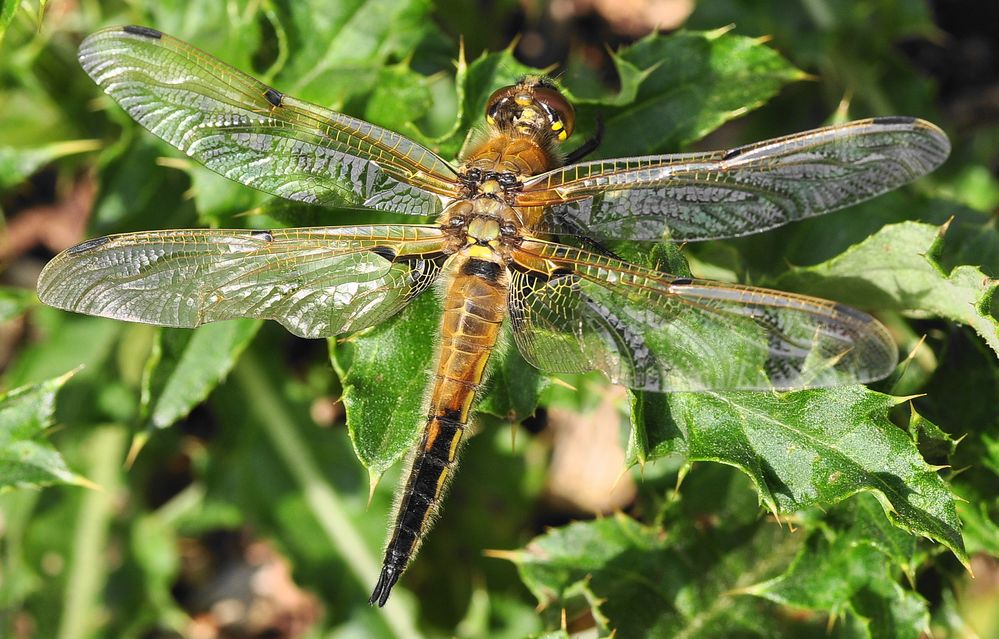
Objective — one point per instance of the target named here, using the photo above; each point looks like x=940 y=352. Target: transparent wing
x=251 y=133
x=574 y=311
x=701 y=196
x=317 y=282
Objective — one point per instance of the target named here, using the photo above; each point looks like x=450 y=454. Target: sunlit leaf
x=896 y=269
x=385 y=372
x=805 y=448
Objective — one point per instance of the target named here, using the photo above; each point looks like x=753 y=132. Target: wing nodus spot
x=266 y=236
x=145 y=32
x=274 y=96
x=485 y=269
x=83 y=247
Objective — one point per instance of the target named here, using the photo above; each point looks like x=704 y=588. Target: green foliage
x=27 y=459
x=897 y=268
x=188 y=433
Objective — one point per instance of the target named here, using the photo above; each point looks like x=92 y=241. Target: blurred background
x=204 y=484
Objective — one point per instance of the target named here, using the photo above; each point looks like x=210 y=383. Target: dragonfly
x=513 y=234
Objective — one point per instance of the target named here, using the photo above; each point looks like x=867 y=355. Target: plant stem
x=105 y=449
x=320 y=495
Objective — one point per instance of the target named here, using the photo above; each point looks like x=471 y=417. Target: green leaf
x=17 y=164
x=186 y=365
x=8 y=8
x=27 y=459
x=846 y=564
x=688 y=84
x=805 y=448
x=513 y=386
x=897 y=269
x=337 y=51
x=14 y=302
x=385 y=374
x=979 y=515
x=934 y=444
x=400 y=97
x=636 y=581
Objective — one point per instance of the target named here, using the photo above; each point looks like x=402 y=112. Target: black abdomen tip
x=387 y=578
x=142 y=31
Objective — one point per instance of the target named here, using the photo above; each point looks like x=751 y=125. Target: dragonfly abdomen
x=474 y=309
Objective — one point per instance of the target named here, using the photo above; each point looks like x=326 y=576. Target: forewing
x=317 y=282
x=573 y=311
x=701 y=196
x=251 y=133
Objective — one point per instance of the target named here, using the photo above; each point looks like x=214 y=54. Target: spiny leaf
x=27 y=460
x=689 y=84
x=813 y=447
x=637 y=582
x=341 y=54
x=849 y=567
x=897 y=269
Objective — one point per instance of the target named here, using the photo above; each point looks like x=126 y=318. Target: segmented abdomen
x=474 y=309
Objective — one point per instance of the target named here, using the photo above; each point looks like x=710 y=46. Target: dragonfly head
x=533 y=106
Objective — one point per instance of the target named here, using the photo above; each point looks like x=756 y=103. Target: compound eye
x=497 y=100
x=561 y=113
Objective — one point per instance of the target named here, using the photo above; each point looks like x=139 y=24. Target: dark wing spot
x=732 y=153
x=83 y=247
x=681 y=281
x=894 y=119
x=145 y=32
x=560 y=272
x=274 y=97
x=485 y=269
x=262 y=235
x=384 y=252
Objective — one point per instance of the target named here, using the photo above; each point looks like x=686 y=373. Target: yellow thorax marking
x=483 y=230
x=479 y=252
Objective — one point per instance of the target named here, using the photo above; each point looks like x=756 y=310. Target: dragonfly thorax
x=482 y=222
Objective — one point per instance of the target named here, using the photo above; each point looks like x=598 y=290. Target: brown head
x=533 y=107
